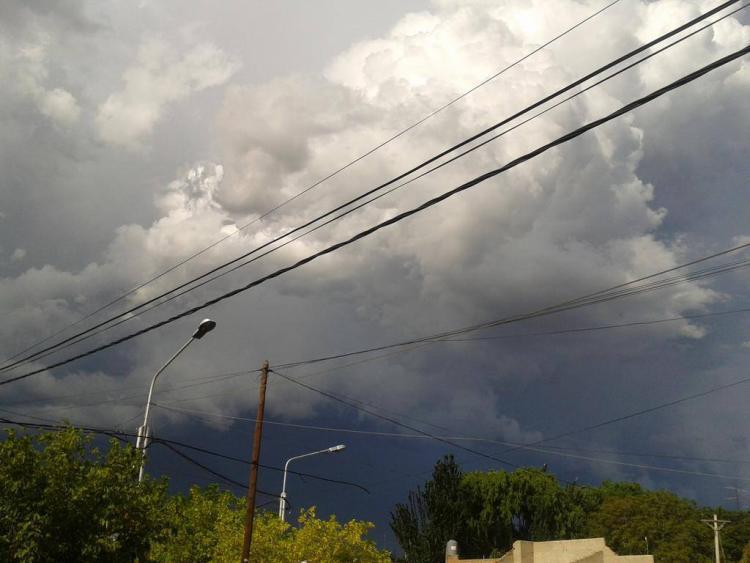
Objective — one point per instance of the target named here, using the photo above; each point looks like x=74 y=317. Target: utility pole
x=253 y=482
x=736 y=497
x=716 y=525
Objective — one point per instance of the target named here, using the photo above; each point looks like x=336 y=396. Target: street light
x=282 y=497
x=206 y=326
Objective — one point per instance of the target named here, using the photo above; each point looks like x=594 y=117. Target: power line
x=261 y=465
x=173 y=444
x=638 y=413
x=392 y=420
x=366 y=194
x=592 y=298
x=430 y=203
x=197 y=382
x=204 y=414
x=434 y=339
x=318 y=182
x=156 y=303
x=451 y=440
x=207 y=469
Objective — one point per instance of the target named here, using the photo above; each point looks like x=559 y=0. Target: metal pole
x=282 y=497
x=250 y=512
x=143 y=431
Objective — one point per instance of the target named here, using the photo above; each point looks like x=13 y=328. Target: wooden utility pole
x=716 y=525
x=253 y=482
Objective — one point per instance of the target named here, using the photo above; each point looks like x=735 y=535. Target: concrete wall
x=592 y=550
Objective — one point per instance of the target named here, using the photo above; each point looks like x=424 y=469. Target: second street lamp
x=206 y=326
x=282 y=497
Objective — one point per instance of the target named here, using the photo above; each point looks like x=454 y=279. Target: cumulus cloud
x=160 y=75
x=578 y=219
x=27 y=69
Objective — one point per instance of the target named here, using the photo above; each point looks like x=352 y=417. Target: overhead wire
x=600 y=296
x=452 y=441
x=366 y=194
x=348 y=211
x=403 y=215
x=587 y=300
x=638 y=413
x=207 y=414
x=261 y=465
x=320 y=181
x=194 y=382
x=434 y=340
x=174 y=444
x=392 y=420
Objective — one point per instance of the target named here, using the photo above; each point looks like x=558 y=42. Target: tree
x=61 y=500
x=328 y=541
x=207 y=526
x=672 y=525
x=527 y=504
x=486 y=512
x=431 y=516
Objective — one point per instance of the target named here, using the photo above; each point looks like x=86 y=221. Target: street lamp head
x=206 y=326
x=334 y=449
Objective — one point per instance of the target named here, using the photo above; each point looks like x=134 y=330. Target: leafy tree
x=431 y=516
x=61 y=500
x=328 y=541
x=206 y=525
x=746 y=554
x=487 y=511
x=672 y=525
x=528 y=504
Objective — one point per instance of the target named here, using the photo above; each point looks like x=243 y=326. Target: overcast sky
x=133 y=135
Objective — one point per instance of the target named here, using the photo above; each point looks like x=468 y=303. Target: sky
x=134 y=135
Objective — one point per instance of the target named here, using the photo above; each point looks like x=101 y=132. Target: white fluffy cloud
x=160 y=75
x=27 y=75
x=577 y=219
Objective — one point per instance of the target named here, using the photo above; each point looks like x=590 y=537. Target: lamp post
x=282 y=497
x=206 y=326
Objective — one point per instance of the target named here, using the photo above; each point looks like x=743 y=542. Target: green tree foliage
x=61 y=500
x=487 y=511
x=527 y=504
x=207 y=526
x=432 y=515
x=672 y=525
x=204 y=525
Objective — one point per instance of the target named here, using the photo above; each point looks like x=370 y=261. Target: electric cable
x=563 y=452
x=452 y=442
x=156 y=304
x=393 y=420
x=206 y=414
x=172 y=444
x=638 y=413
x=318 y=182
x=196 y=382
x=560 y=307
x=492 y=128
x=261 y=465
x=435 y=340
x=401 y=216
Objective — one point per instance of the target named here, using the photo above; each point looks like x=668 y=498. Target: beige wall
x=592 y=550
